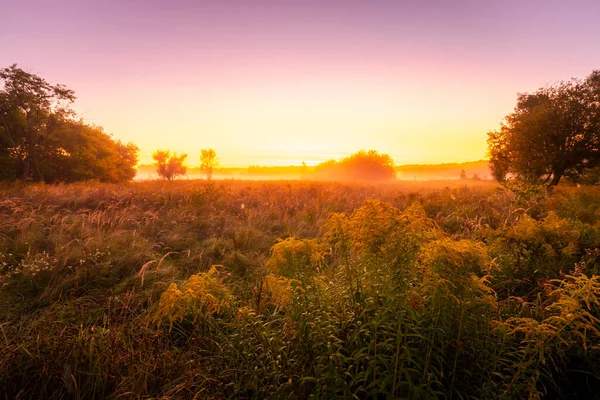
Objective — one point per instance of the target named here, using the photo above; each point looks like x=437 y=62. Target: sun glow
x=267 y=124
x=278 y=83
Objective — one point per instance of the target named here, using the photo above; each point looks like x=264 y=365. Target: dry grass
x=406 y=290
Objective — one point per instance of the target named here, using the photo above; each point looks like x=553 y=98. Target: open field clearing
x=230 y=289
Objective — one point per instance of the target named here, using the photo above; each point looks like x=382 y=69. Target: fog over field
x=300 y=199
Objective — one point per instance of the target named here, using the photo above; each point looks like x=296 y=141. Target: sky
x=278 y=82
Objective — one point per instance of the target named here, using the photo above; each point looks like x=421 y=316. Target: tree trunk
x=37 y=169
x=26 y=166
x=6 y=131
x=556 y=175
x=31 y=159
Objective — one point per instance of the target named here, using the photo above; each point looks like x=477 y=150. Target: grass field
x=291 y=289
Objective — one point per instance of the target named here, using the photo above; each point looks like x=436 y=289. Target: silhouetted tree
x=552 y=133
x=208 y=162
x=29 y=110
x=169 y=166
x=41 y=140
x=87 y=152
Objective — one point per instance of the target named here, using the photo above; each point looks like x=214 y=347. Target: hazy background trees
x=362 y=166
x=551 y=134
x=41 y=139
x=169 y=165
x=208 y=162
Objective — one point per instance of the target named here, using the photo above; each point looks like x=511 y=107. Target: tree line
x=553 y=133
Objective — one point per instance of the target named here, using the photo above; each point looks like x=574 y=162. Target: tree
x=40 y=139
x=29 y=109
x=169 y=166
x=362 y=166
x=551 y=134
x=208 y=162
x=87 y=152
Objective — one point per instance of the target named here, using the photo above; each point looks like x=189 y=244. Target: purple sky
x=179 y=74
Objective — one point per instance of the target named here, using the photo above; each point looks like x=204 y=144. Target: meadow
x=292 y=289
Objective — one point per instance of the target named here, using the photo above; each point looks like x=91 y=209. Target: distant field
x=299 y=289
x=449 y=172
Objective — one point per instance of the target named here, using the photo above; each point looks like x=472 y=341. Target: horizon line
x=230 y=166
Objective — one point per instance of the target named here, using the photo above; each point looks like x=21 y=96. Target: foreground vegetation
x=299 y=289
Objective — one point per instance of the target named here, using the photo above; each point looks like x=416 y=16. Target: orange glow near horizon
x=281 y=82
x=275 y=123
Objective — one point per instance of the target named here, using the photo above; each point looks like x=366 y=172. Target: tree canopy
x=40 y=138
x=169 y=165
x=551 y=134
x=208 y=162
x=361 y=166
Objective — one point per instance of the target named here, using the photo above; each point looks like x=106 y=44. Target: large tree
x=40 y=139
x=551 y=134
x=30 y=109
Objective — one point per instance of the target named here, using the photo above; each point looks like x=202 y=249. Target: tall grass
x=298 y=290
